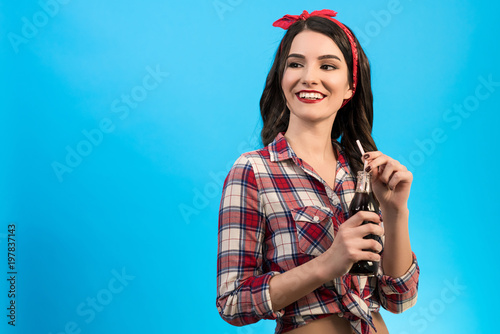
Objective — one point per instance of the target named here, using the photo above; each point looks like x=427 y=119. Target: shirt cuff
x=267 y=306
x=406 y=282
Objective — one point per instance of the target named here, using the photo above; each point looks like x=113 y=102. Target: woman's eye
x=328 y=67
x=294 y=65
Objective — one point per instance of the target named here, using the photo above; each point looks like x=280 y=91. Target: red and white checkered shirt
x=277 y=213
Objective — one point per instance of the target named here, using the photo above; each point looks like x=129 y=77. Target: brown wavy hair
x=353 y=121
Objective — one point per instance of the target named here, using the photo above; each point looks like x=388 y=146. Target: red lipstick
x=309 y=100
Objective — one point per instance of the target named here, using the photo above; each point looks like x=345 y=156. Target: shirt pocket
x=314 y=229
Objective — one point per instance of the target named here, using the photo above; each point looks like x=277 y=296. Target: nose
x=310 y=76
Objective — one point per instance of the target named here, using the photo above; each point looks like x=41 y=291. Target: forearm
x=294 y=284
x=397 y=256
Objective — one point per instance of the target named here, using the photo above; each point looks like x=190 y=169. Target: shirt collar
x=279 y=150
x=342 y=164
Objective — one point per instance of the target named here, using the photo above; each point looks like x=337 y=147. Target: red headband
x=286 y=21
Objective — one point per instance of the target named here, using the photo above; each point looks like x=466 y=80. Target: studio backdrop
x=120 y=120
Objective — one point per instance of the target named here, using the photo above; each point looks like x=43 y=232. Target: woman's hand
x=391 y=181
x=349 y=246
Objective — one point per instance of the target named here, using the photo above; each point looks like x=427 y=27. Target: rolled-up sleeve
x=242 y=287
x=399 y=294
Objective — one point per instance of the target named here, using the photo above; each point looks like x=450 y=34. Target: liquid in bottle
x=364 y=200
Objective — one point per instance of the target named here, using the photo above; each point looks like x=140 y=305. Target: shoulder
x=248 y=165
x=265 y=162
x=252 y=159
x=261 y=153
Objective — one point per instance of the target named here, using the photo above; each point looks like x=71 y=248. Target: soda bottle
x=364 y=200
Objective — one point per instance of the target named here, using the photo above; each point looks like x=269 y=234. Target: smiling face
x=315 y=81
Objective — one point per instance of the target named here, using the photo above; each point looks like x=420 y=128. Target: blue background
x=141 y=201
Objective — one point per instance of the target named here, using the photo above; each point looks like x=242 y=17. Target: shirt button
x=316 y=218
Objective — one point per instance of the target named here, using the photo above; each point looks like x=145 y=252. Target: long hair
x=353 y=121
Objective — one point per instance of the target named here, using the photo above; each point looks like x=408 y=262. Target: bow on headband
x=286 y=22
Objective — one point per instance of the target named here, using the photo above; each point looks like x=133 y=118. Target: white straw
x=361 y=150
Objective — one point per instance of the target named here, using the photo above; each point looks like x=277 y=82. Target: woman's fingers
x=371 y=245
x=366 y=249
x=370 y=228
x=352 y=244
x=356 y=232
x=387 y=170
x=399 y=177
x=372 y=155
x=369 y=256
x=360 y=217
x=377 y=160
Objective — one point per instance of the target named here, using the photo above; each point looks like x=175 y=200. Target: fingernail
x=366 y=156
x=369 y=168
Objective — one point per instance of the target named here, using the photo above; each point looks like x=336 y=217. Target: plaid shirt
x=277 y=213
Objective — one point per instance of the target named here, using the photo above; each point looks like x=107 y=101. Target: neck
x=311 y=141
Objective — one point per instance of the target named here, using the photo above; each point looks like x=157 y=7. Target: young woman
x=286 y=242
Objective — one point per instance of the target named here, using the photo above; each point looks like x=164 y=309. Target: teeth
x=310 y=96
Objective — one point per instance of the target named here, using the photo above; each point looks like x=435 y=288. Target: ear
x=348 y=94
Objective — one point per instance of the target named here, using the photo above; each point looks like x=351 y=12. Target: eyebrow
x=297 y=55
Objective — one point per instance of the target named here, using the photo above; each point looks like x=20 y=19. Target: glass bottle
x=364 y=200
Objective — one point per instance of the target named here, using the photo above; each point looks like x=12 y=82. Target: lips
x=310 y=96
